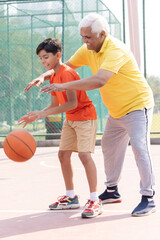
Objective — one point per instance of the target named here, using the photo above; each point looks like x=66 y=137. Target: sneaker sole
x=83 y=215
x=65 y=207
x=112 y=200
x=144 y=214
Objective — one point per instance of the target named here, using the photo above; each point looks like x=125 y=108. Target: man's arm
x=69 y=105
x=70 y=65
x=90 y=83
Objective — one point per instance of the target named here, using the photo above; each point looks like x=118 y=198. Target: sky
x=152 y=31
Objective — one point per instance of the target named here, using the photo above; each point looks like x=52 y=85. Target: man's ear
x=103 y=34
x=59 y=54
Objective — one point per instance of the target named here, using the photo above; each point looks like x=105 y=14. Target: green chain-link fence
x=23 y=25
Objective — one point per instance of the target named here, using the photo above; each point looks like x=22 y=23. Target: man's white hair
x=96 y=22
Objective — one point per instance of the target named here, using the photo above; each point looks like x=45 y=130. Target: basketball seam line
x=23 y=142
x=15 y=151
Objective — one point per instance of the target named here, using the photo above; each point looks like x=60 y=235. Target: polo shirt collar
x=104 y=44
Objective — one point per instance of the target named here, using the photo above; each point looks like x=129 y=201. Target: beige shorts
x=78 y=136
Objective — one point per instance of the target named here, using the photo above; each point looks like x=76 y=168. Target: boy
x=78 y=132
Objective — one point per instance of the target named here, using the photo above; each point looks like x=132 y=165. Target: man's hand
x=36 y=82
x=53 y=88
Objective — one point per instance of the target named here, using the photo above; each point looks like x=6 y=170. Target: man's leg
x=138 y=124
x=114 y=143
x=139 y=132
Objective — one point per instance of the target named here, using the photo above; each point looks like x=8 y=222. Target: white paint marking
x=44 y=164
x=56 y=167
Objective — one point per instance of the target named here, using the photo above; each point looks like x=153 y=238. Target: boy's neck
x=56 y=69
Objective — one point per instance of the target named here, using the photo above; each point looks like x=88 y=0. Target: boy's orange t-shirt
x=85 y=109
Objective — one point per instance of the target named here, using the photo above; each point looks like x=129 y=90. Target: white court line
x=78 y=168
x=57 y=167
x=62 y=211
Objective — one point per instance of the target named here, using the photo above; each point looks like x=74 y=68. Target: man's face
x=91 y=39
x=48 y=59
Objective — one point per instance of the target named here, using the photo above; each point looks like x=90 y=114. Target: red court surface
x=26 y=190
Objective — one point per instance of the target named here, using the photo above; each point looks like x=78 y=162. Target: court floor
x=26 y=190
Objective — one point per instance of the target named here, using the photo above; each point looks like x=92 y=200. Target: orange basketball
x=19 y=145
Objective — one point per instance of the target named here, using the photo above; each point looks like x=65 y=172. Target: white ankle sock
x=70 y=193
x=94 y=196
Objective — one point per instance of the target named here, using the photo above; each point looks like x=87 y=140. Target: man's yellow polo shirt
x=127 y=90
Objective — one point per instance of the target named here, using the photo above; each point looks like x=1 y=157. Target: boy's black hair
x=52 y=45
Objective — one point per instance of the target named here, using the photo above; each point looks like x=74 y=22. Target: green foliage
x=154 y=82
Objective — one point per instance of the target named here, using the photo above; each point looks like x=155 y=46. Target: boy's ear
x=59 y=54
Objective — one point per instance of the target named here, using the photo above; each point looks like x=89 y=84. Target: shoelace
x=61 y=198
x=89 y=204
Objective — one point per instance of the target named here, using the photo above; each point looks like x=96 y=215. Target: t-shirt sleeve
x=115 y=60
x=69 y=76
x=80 y=57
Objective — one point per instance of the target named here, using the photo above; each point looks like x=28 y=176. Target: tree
x=154 y=82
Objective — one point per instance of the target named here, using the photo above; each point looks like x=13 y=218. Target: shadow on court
x=45 y=221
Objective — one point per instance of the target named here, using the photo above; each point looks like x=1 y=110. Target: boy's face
x=49 y=60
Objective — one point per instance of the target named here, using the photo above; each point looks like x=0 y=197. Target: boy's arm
x=44 y=77
x=54 y=108
x=39 y=80
x=36 y=114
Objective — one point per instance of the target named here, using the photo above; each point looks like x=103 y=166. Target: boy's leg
x=86 y=137
x=68 y=137
x=79 y=136
x=66 y=167
x=70 y=200
x=90 y=169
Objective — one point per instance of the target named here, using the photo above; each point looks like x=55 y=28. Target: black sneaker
x=110 y=197
x=145 y=207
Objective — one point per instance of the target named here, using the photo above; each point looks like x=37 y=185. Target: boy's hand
x=25 y=119
x=36 y=82
x=30 y=117
x=53 y=88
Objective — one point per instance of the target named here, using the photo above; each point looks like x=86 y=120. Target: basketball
x=19 y=145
